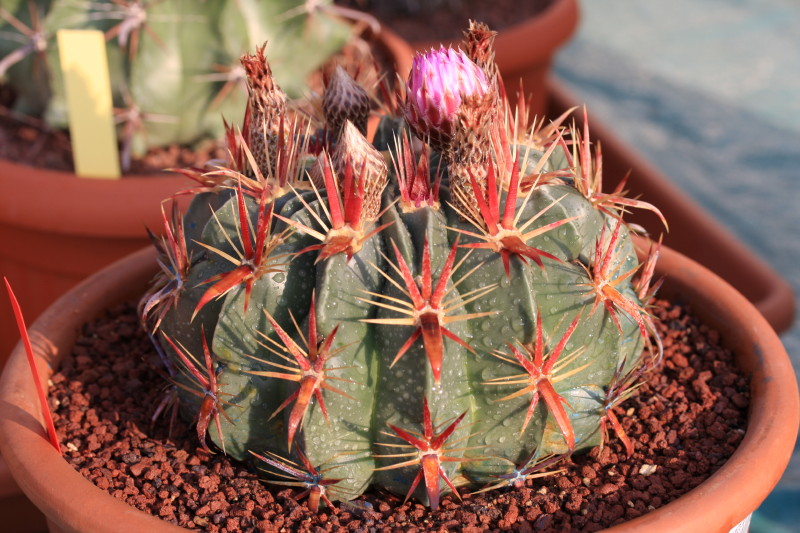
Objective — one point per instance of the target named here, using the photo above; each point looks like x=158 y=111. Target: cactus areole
x=420 y=318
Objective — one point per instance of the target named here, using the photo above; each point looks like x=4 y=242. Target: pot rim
x=60 y=202
x=719 y=503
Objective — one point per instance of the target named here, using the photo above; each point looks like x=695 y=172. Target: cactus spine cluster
x=174 y=64
x=451 y=305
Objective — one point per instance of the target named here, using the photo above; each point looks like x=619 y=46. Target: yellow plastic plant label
x=84 y=67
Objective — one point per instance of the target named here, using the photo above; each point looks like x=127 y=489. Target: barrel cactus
x=455 y=304
x=174 y=64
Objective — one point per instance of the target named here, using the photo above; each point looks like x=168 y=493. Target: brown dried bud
x=366 y=163
x=479 y=44
x=471 y=150
x=266 y=106
x=345 y=100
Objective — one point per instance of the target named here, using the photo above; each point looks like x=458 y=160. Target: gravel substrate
x=685 y=421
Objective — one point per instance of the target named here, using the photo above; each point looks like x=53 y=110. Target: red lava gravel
x=686 y=421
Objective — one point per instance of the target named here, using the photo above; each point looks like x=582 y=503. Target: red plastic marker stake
x=26 y=341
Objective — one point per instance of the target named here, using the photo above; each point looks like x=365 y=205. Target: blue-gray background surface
x=709 y=91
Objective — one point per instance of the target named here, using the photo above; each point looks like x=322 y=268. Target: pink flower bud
x=440 y=80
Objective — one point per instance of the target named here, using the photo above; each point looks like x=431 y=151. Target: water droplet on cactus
x=280 y=277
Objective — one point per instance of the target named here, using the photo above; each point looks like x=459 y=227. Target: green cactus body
x=404 y=383
x=382 y=392
x=435 y=345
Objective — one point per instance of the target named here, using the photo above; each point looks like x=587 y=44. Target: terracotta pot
x=17 y=512
x=718 y=504
x=56 y=229
x=525 y=50
x=693 y=231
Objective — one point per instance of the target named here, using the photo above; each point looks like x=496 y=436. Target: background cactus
x=174 y=63
x=412 y=318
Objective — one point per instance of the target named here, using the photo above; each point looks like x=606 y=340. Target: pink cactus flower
x=440 y=80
